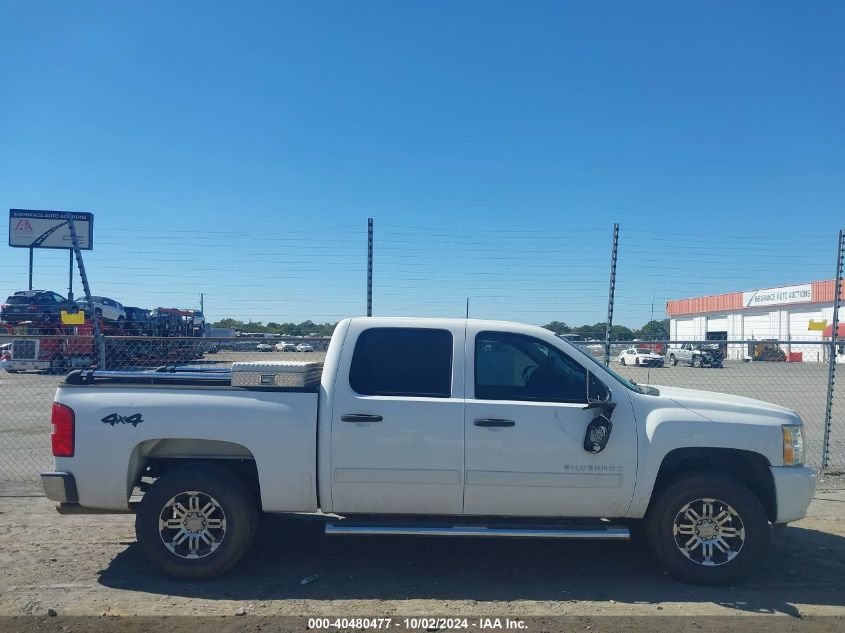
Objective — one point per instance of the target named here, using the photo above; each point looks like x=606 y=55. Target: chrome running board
x=610 y=533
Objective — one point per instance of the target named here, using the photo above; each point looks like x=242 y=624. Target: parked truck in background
x=695 y=354
x=430 y=427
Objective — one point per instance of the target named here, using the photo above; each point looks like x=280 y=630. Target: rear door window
x=414 y=362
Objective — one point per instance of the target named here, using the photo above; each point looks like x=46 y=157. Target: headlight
x=793 y=445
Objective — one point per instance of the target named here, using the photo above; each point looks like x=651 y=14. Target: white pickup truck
x=441 y=427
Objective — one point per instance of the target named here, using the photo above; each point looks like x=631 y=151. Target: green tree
x=558 y=327
x=654 y=330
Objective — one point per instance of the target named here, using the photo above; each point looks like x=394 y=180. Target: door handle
x=488 y=422
x=360 y=417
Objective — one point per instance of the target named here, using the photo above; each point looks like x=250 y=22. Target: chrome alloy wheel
x=708 y=532
x=192 y=524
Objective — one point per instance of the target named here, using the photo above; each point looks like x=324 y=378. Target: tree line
x=285 y=329
x=653 y=330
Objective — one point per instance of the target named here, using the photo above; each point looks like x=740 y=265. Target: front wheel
x=696 y=361
x=622 y=361
x=673 y=360
x=708 y=529
x=196 y=521
x=637 y=362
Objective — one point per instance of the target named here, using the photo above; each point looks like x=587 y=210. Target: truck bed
x=125 y=420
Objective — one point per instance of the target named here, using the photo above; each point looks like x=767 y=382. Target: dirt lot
x=90 y=565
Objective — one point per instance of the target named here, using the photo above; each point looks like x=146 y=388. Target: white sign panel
x=778 y=296
x=49 y=229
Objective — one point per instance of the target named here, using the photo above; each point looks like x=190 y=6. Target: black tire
x=696 y=361
x=750 y=521
x=46 y=318
x=239 y=513
x=121 y=322
x=673 y=360
x=622 y=361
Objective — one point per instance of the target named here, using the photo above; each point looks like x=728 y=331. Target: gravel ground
x=91 y=566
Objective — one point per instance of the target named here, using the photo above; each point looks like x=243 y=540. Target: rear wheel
x=708 y=529
x=196 y=521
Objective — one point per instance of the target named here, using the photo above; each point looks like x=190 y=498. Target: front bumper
x=794 y=489
x=59 y=487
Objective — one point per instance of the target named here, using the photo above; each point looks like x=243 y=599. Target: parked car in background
x=265 y=347
x=105 y=308
x=305 y=347
x=640 y=356
x=696 y=354
x=42 y=306
x=138 y=321
x=285 y=346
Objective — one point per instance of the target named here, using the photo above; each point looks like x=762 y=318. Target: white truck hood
x=723 y=407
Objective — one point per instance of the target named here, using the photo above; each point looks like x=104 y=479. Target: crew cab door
x=397 y=420
x=525 y=426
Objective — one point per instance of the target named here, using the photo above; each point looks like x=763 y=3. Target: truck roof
x=443 y=322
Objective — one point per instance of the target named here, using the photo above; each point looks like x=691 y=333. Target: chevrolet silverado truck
x=430 y=427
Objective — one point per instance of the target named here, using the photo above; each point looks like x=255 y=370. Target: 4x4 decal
x=134 y=419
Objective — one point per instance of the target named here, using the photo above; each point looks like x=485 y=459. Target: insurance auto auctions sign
x=778 y=296
x=49 y=229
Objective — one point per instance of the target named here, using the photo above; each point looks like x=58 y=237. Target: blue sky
x=237 y=149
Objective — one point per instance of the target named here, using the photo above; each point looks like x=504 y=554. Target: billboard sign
x=778 y=296
x=49 y=229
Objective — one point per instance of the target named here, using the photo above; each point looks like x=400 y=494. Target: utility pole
x=831 y=367
x=30 y=267
x=369 y=267
x=202 y=303
x=611 y=292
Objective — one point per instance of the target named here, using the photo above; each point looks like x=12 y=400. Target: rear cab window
x=402 y=361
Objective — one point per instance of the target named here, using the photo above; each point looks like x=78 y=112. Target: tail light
x=62 y=437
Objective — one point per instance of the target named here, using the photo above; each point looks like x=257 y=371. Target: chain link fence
x=793 y=374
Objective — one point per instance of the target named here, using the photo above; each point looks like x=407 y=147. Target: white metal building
x=794 y=314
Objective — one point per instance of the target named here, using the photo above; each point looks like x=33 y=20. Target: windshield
x=643 y=350
x=628 y=383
